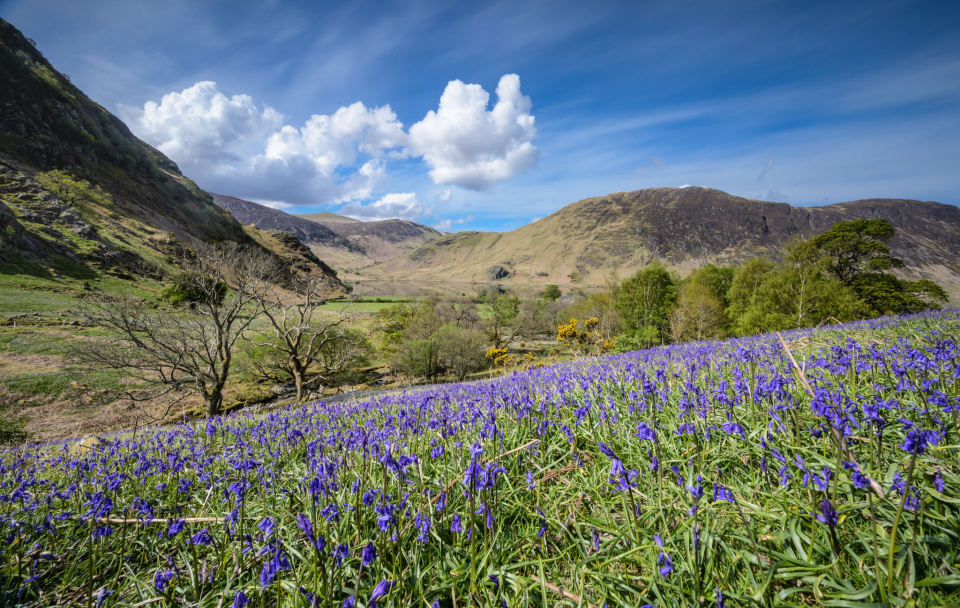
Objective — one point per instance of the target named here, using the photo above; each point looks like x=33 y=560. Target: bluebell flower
x=240 y=600
x=723 y=494
x=340 y=553
x=266 y=525
x=162 y=579
x=368 y=554
x=828 y=514
x=272 y=567
x=174 y=527
x=938 y=481
x=102 y=596
x=645 y=433
x=382 y=588
x=665 y=564
x=202 y=537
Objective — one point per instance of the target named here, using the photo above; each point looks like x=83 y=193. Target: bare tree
x=307 y=345
x=174 y=352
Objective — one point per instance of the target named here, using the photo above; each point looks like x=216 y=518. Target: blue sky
x=487 y=115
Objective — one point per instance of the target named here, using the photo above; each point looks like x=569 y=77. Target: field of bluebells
x=817 y=469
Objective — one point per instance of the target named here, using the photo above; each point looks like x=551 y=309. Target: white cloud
x=200 y=126
x=399 y=205
x=334 y=141
x=446 y=224
x=233 y=146
x=468 y=146
x=227 y=145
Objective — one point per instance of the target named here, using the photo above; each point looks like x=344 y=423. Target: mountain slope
x=255 y=214
x=385 y=239
x=345 y=243
x=81 y=195
x=682 y=227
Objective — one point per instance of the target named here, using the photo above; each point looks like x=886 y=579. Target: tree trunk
x=298 y=381
x=214 y=402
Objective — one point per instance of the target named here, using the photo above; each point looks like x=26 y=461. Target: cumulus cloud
x=466 y=145
x=398 y=205
x=201 y=127
x=232 y=145
x=229 y=145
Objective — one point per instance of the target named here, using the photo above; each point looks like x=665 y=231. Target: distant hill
x=682 y=227
x=81 y=196
x=267 y=218
x=344 y=242
x=385 y=239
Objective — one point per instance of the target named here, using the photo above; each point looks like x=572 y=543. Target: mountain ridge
x=683 y=228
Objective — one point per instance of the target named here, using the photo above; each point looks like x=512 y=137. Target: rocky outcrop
x=497 y=272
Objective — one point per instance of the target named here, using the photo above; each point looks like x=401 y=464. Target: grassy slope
x=683 y=227
x=549 y=524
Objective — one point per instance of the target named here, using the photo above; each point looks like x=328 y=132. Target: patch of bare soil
x=20 y=362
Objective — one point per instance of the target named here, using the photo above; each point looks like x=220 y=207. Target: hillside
x=385 y=239
x=345 y=243
x=266 y=218
x=682 y=227
x=81 y=196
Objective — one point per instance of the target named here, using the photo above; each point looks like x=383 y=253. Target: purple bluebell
x=368 y=554
x=162 y=579
x=382 y=588
x=938 y=481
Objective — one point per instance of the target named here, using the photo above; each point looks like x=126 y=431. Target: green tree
x=856 y=247
x=462 y=351
x=697 y=314
x=858 y=256
x=503 y=310
x=644 y=301
x=798 y=292
x=743 y=296
x=883 y=293
x=391 y=322
x=551 y=293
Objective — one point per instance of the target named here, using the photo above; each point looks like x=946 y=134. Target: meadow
x=819 y=467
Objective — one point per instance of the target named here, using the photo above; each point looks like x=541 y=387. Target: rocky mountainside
x=682 y=227
x=346 y=243
x=80 y=195
x=255 y=214
x=385 y=239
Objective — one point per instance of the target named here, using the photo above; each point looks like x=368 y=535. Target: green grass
x=564 y=508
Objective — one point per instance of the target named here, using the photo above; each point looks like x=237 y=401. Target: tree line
x=227 y=300
x=842 y=275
